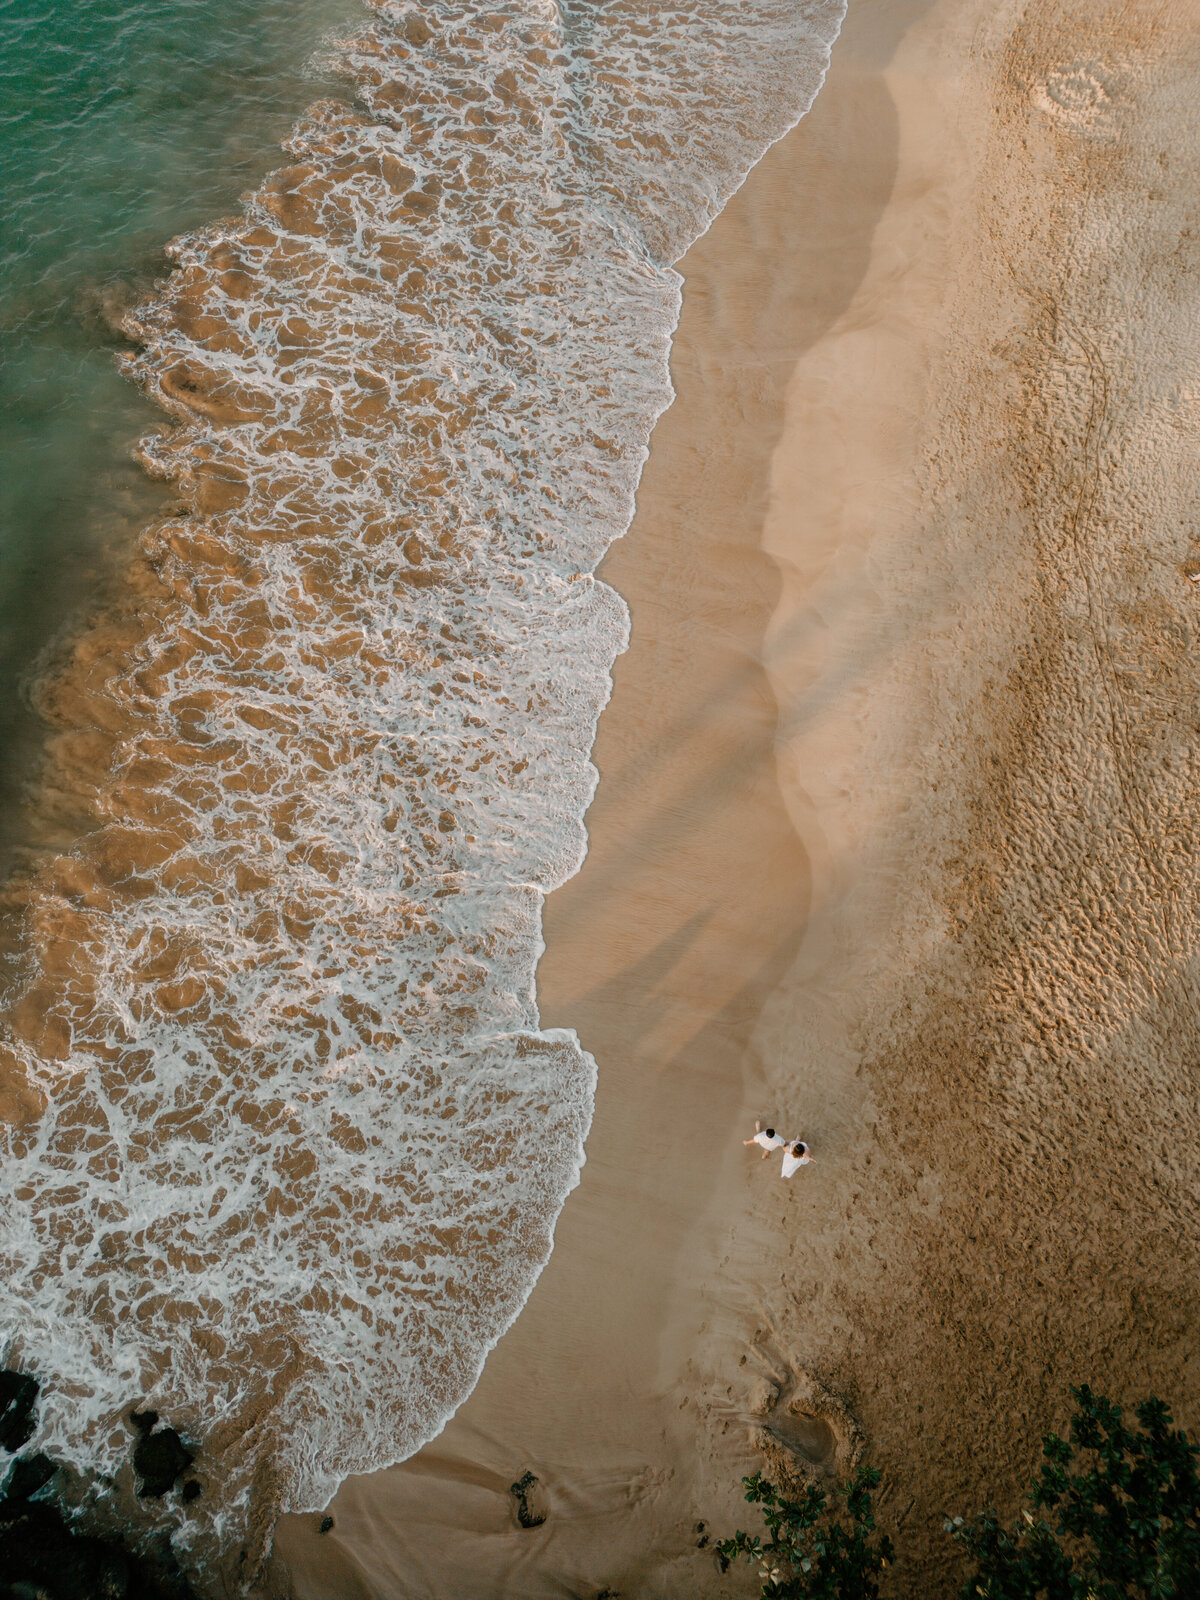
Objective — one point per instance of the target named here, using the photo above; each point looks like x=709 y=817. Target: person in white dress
x=767 y=1138
x=795 y=1156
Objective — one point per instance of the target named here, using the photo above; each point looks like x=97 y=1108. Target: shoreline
x=923 y=499
x=312 y=768
x=893 y=846
x=689 y=910
x=320 y=759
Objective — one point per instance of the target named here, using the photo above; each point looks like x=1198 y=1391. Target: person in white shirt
x=795 y=1156
x=767 y=1137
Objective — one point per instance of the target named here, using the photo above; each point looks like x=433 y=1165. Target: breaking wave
x=286 y=1142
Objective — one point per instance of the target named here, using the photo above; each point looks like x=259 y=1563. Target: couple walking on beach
x=795 y=1151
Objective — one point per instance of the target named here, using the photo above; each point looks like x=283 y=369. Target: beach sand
x=892 y=845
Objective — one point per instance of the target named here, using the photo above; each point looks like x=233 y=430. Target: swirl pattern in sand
x=287 y=1143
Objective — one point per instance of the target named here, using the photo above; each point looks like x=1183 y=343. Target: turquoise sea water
x=122 y=123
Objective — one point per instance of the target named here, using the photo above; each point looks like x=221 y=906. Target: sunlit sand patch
x=1084 y=97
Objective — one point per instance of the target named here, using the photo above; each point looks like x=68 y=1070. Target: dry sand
x=893 y=843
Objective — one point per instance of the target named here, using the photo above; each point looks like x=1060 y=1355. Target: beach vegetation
x=1113 y=1514
x=814 y=1551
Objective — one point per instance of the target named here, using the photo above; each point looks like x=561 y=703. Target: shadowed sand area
x=894 y=842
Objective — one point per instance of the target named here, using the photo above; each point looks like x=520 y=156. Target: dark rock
x=18 y=1396
x=159 y=1459
x=190 y=1491
x=28 y=1475
x=42 y=1559
x=326 y=1525
x=531 y=1507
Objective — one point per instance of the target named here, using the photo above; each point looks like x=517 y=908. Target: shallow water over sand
x=288 y=1144
x=120 y=125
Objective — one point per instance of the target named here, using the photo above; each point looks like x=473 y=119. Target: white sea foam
x=305 y=1144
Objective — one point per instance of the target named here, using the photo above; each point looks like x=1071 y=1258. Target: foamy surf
x=293 y=1143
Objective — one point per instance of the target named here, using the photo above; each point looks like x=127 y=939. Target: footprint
x=806 y=1434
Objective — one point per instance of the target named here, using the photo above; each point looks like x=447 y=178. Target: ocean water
x=286 y=1141
x=121 y=124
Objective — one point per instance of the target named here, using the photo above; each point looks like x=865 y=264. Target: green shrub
x=813 y=1554
x=1124 y=1519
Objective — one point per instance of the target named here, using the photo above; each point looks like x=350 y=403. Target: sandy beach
x=892 y=845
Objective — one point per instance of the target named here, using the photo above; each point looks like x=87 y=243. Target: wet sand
x=892 y=844
x=690 y=907
x=689 y=911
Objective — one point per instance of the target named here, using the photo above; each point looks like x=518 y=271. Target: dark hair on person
x=770 y=1133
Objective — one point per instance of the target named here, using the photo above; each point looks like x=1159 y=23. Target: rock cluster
x=41 y=1556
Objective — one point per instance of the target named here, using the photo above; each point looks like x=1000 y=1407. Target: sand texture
x=893 y=843
x=1002 y=957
